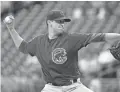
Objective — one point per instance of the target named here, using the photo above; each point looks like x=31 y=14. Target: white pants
x=75 y=87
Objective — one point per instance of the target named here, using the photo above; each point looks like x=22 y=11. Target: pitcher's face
x=58 y=26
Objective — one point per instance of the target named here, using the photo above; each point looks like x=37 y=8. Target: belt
x=66 y=84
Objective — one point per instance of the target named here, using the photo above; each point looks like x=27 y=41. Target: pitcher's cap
x=57 y=15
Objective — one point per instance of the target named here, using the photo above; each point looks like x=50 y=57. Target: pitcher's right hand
x=9 y=21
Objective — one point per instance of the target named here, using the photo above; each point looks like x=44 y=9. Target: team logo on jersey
x=59 y=55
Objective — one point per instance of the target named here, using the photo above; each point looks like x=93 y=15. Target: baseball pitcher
x=57 y=51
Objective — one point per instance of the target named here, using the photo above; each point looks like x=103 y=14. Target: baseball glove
x=115 y=50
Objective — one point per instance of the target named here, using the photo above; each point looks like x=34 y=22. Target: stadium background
x=99 y=70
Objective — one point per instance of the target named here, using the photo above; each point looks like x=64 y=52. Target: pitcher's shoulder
x=40 y=36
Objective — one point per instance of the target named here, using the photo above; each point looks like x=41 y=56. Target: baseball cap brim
x=65 y=19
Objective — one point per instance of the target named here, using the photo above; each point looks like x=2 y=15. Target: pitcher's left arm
x=112 y=37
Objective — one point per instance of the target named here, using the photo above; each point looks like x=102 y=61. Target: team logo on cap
x=59 y=56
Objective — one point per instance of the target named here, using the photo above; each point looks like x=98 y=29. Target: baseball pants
x=75 y=87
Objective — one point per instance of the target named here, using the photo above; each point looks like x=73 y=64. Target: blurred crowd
x=13 y=7
x=101 y=9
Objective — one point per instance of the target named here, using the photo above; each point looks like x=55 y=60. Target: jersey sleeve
x=29 y=47
x=82 y=40
x=97 y=37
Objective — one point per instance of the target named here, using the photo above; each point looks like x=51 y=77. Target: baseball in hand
x=9 y=19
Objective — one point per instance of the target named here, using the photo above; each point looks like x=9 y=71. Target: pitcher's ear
x=49 y=22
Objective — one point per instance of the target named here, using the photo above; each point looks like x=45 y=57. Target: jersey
x=59 y=57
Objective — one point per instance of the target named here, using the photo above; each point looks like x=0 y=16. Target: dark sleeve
x=98 y=37
x=82 y=40
x=29 y=47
